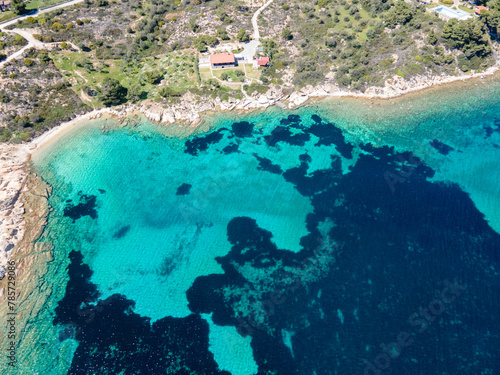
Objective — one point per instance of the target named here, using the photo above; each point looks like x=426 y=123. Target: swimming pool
x=452 y=13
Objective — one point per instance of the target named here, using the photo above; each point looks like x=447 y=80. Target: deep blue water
x=284 y=246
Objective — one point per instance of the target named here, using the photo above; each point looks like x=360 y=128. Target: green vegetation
x=364 y=42
x=18 y=6
x=33 y=4
x=287 y=34
x=492 y=17
x=222 y=33
x=113 y=93
x=203 y=41
x=235 y=74
x=168 y=92
x=242 y=36
x=109 y=52
x=87 y=73
x=466 y=9
x=47 y=99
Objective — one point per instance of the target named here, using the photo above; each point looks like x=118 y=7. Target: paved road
x=256 y=35
x=32 y=42
x=40 y=11
x=250 y=48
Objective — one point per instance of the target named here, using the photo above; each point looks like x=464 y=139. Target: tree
x=19 y=6
x=200 y=46
x=222 y=33
x=224 y=76
x=467 y=36
x=56 y=26
x=154 y=76
x=193 y=25
x=134 y=93
x=287 y=34
x=242 y=36
x=432 y=38
x=166 y=92
x=113 y=93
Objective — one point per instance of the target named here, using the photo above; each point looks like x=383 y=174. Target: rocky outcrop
x=393 y=87
x=13 y=174
x=31 y=260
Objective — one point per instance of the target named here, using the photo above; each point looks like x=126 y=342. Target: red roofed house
x=479 y=8
x=222 y=60
x=263 y=61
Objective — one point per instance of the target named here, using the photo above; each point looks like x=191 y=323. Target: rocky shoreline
x=14 y=159
x=13 y=175
x=189 y=109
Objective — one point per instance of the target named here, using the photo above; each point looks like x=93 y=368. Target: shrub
x=56 y=26
x=371 y=34
x=166 y=91
x=4 y=98
x=19 y=40
x=154 y=76
x=242 y=36
x=113 y=92
x=222 y=33
x=287 y=34
x=400 y=73
x=134 y=93
x=28 y=62
x=18 y=6
x=44 y=58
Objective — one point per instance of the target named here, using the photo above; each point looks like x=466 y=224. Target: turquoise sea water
x=356 y=211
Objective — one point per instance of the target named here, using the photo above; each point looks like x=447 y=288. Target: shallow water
x=301 y=241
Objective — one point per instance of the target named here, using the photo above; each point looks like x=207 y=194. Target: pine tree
x=18 y=6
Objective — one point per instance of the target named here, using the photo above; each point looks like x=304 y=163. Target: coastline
x=28 y=195
x=14 y=164
x=189 y=111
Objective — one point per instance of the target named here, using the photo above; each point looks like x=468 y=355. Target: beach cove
x=452 y=132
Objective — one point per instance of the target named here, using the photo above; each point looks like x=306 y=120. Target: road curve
x=250 y=48
x=38 y=12
x=32 y=42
